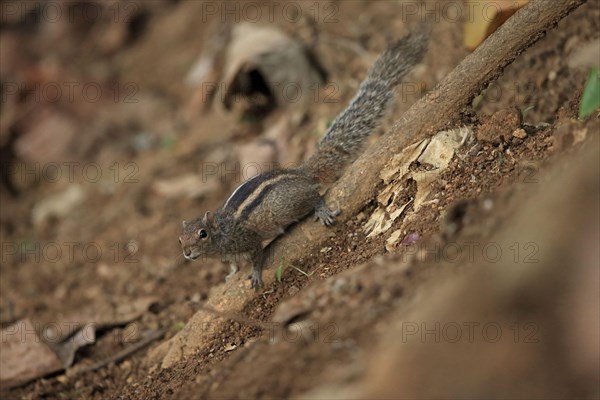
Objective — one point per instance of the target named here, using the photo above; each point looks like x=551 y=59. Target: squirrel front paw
x=230 y=275
x=324 y=214
x=256 y=280
x=232 y=271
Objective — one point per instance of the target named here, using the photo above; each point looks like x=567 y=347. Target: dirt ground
x=148 y=127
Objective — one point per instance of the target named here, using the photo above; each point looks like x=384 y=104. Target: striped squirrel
x=262 y=207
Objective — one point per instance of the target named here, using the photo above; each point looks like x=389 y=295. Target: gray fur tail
x=344 y=139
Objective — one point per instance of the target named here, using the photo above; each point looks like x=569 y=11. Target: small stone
x=58 y=205
x=488 y=204
x=519 y=133
x=229 y=348
x=579 y=135
x=142 y=141
x=411 y=239
x=196 y=298
x=293 y=290
x=47 y=138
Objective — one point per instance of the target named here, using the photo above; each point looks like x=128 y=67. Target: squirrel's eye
x=179 y=240
x=202 y=233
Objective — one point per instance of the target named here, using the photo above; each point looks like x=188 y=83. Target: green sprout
x=590 y=100
x=179 y=326
x=279 y=272
x=167 y=142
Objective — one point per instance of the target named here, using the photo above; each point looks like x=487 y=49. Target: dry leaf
x=436 y=153
x=127 y=312
x=103 y=315
x=67 y=349
x=381 y=220
x=229 y=348
x=24 y=356
x=485 y=17
x=393 y=240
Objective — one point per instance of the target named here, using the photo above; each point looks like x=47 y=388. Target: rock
x=58 y=205
x=579 y=135
x=260 y=56
x=519 y=133
x=47 y=140
x=142 y=141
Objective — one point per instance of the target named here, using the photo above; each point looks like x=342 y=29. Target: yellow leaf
x=484 y=17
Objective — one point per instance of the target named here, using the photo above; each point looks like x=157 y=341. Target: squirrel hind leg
x=324 y=214
x=258 y=259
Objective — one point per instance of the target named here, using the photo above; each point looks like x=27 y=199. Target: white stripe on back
x=238 y=188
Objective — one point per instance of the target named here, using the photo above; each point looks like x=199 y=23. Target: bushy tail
x=343 y=141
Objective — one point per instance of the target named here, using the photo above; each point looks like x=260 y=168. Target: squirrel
x=262 y=207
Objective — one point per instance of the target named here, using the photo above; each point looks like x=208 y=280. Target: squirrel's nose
x=187 y=252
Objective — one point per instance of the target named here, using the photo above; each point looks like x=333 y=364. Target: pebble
x=293 y=290
x=196 y=297
x=519 y=133
x=58 y=205
x=488 y=204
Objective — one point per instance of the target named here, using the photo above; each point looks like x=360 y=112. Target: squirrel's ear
x=208 y=219
x=183 y=224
